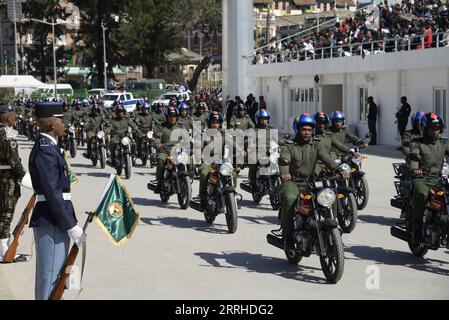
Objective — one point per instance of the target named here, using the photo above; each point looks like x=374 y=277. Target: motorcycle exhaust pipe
x=195 y=206
x=275 y=241
x=245 y=187
x=400 y=234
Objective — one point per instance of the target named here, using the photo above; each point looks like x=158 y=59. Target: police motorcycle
x=80 y=132
x=436 y=216
x=345 y=198
x=357 y=180
x=315 y=229
x=176 y=179
x=221 y=196
x=123 y=155
x=68 y=141
x=98 y=148
x=268 y=179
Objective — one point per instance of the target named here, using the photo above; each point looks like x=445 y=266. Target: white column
x=238 y=43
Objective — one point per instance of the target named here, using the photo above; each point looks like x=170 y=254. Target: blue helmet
x=431 y=120
x=262 y=114
x=303 y=119
x=416 y=119
x=78 y=103
x=215 y=115
x=146 y=106
x=338 y=115
x=171 y=111
x=321 y=117
x=183 y=106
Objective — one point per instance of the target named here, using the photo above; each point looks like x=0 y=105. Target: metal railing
x=440 y=39
x=322 y=26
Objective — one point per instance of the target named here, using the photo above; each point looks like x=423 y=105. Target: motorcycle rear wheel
x=362 y=194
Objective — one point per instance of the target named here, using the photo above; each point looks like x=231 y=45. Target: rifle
x=11 y=253
x=64 y=273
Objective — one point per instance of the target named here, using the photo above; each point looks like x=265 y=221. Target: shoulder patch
x=13 y=144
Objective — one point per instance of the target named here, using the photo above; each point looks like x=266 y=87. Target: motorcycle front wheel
x=333 y=263
x=186 y=192
x=73 y=149
x=128 y=166
x=102 y=152
x=362 y=195
x=231 y=212
x=347 y=216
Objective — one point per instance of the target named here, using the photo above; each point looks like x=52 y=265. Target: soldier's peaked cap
x=5 y=108
x=49 y=109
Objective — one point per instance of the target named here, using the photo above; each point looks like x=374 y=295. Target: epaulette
x=44 y=142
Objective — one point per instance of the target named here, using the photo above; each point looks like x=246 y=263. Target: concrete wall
x=237 y=42
x=387 y=77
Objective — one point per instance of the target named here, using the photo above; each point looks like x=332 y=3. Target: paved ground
x=175 y=254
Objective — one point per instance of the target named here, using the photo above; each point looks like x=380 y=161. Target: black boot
x=289 y=243
x=158 y=187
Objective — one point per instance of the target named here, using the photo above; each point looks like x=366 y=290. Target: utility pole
x=268 y=26
x=15 y=37
x=105 y=64
x=55 y=75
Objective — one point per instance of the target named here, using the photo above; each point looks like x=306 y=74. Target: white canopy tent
x=20 y=84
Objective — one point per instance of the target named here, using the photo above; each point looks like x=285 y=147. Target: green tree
x=207 y=19
x=89 y=42
x=39 y=55
x=152 y=31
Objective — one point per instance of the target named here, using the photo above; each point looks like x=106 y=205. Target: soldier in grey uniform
x=53 y=219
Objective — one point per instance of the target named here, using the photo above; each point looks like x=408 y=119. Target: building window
x=196 y=39
x=173 y=69
x=302 y=101
x=363 y=103
x=161 y=70
x=440 y=102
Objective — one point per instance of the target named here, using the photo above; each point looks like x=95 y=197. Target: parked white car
x=165 y=98
x=125 y=97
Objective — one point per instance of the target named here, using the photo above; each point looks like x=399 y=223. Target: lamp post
x=53 y=24
x=105 y=64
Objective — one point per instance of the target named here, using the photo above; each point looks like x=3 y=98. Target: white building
x=345 y=83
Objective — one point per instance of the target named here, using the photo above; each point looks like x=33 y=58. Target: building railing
x=322 y=26
x=440 y=39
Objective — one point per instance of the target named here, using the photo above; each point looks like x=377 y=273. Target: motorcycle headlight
x=183 y=158
x=20 y=116
x=126 y=141
x=326 y=198
x=31 y=120
x=81 y=123
x=445 y=170
x=357 y=159
x=150 y=134
x=345 y=168
x=100 y=135
x=226 y=169
x=274 y=157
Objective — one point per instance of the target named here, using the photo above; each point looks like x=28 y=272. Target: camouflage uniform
x=12 y=173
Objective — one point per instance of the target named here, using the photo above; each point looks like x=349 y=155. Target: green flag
x=72 y=176
x=116 y=214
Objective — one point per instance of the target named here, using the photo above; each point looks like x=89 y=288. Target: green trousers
x=288 y=195
x=204 y=172
x=160 y=168
x=252 y=174
x=420 y=193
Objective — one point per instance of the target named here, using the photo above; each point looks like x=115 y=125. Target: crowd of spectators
x=410 y=25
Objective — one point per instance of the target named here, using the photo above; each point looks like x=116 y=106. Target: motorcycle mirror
x=283 y=162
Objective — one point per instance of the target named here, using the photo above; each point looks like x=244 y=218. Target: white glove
x=77 y=235
x=26 y=181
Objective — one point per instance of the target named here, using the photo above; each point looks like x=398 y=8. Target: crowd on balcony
x=410 y=25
